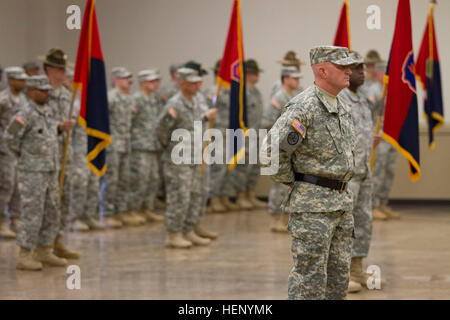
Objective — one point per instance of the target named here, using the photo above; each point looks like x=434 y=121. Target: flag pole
x=211 y=123
x=66 y=147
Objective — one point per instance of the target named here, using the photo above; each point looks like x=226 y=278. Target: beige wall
x=156 y=33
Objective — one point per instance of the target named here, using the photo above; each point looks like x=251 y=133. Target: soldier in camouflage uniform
x=290 y=78
x=54 y=65
x=290 y=59
x=171 y=88
x=31 y=68
x=184 y=182
x=144 y=161
x=246 y=175
x=361 y=183
x=121 y=106
x=386 y=154
x=2 y=84
x=221 y=185
x=316 y=138
x=12 y=100
x=32 y=137
x=84 y=184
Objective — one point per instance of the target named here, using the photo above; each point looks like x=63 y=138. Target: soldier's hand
x=66 y=125
x=211 y=114
x=376 y=140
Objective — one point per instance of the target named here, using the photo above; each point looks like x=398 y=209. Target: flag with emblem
x=231 y=76
x=90 y=78
x=342 y=36
x=429 y=75
x=401 y=123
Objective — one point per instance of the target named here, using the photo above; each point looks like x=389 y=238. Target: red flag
x=401 y=123
x=231 y=76
x=429 y=75
x=342 y=37
x=91 y=79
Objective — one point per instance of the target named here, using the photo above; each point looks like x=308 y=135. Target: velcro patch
x=299 y=127
x=172 y=113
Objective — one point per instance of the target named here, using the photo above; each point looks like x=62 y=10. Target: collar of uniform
x=39 y=109
x=189 y=104
x=323 y=97
x=288 y=96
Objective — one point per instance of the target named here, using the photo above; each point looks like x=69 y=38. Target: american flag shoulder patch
x=299 y=127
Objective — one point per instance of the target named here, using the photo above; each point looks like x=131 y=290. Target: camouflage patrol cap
x=290 y=71
x=251 y=66
x=356 y=57
x=16 y=73
x=149 y=75
x=174 y=67
x=31 y=65
x=120 y=72
x=189 y=75
x=39 y=82
x=336 y=55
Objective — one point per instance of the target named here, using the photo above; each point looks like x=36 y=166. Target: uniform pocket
x=335 y=135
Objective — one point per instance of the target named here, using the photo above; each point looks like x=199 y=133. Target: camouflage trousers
x=9 y=188
x=84 y=191
x=383 y=173
x=361 y=187
x=184 y=197
x=117 y=179
x=321 y=249
x=221 y=182
x=144 y=177
x=245 y=176
x=278 y=192
x=40 y=211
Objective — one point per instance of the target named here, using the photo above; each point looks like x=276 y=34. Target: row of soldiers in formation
x=137 y=160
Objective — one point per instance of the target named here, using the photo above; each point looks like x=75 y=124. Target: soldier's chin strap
x=211 y=123
x=66 y=147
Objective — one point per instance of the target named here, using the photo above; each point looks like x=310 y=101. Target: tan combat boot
x=152 y=216
x=79 y=225
x=357 y=273
x=15 y=224
x=195 y=239
x=354 y=287
x=160 y=205
x=46 y=256
x=202 y=232
x=208 y=209
x=5 y=231
x=127 y=219
x=242 y=201
x=176 y=240
x=217 y=205
x=258 y=204
x=25 y=261
x=95 y=224
x=113 y=222
x=139 y=219
x=229 y=206
x=278 y=224
x=61 y=251
x=378 y=215
x=391 y=214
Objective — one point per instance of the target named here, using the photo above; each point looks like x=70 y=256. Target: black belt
x=338 y=185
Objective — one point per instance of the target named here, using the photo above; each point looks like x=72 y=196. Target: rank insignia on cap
x=275 y=104
x=299 y=127
x=172 y=112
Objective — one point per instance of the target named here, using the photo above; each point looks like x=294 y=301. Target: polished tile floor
x=246 y=262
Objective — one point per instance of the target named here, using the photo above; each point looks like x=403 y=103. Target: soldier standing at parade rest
x=290 y=79
x=184 y=185
x=315 y=137
x=12 y=101
x=32 y=136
